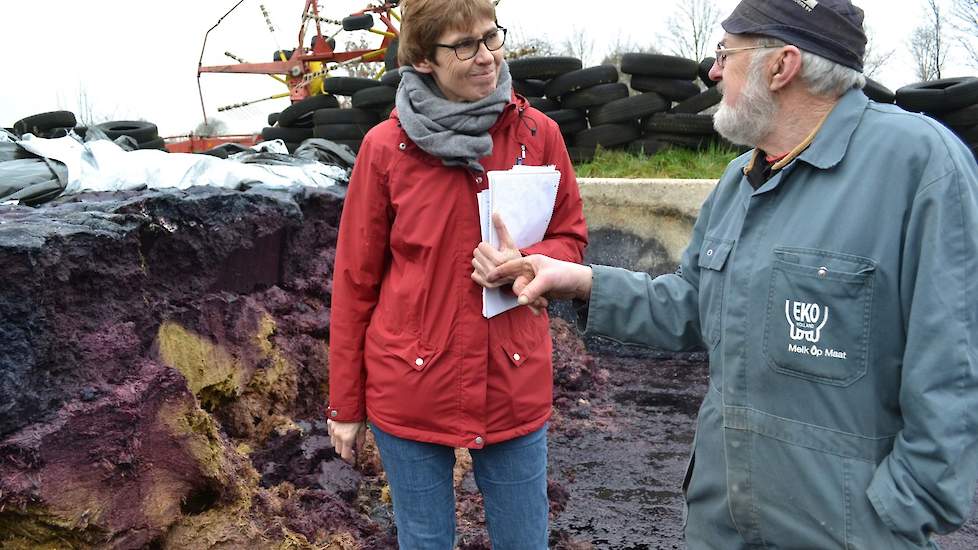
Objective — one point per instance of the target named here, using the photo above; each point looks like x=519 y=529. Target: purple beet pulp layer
x=163 y=374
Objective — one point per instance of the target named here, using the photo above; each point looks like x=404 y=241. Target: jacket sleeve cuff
x=341 y=413
x=902 y=514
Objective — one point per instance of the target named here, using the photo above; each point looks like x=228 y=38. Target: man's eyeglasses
x=722 y=52
x=467 y=49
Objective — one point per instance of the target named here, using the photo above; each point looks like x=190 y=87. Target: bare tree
x=691 y=28
x=874 y=58
x=620 y=47
x=213 y=127
x=927 y=43
x=965 y=22
x=579 y=45
x=518 y=44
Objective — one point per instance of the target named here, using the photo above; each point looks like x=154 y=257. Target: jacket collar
x=832 y=140
x=829 y=141
x=515 y=108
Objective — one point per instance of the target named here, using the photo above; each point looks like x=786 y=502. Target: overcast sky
x=138 y=59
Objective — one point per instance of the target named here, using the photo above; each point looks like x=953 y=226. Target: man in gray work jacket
x=833 y=277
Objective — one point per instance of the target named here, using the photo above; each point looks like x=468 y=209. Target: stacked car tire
x=660 y=105
x=952 y=101
x=55 y=124
x=321 y=116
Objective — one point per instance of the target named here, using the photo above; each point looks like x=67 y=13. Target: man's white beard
x=752 y=118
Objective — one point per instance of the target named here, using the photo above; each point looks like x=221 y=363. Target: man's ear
x=424 y=66
x=786 y=69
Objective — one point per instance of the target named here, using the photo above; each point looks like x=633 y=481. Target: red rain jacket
x=409 y=347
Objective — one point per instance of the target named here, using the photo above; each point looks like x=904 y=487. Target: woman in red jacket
x=409 y=347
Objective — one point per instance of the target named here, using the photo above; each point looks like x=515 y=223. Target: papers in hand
x=524 y=197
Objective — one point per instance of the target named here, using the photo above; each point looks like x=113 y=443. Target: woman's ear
x=424 y=66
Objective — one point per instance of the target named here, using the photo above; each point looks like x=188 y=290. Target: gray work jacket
x=838 y=303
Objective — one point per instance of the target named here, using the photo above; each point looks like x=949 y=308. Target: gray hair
x=823 y=77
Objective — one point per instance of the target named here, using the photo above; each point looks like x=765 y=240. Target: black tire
x=334 y=132
x=543 y=104
x=628 y=109
x=288 y=135
x=390 y=56
x=360 y=22
x=530 y=88
x=324 y=117
x=606 y=135
x=277 y=57
x=378 y=96
x=939 y=96
x=139 y=130
x=580 y=155
x=41 y=122
x=698 y=103
x=55 y=133
x=678 y=124
x=542 y=68
x=272 y=119
x=570 y=121
x=669 y=88
x=704 y=72
x=646 y=146
x=580 y=79
x=967 y=116
x=157 y=143
x=347 y=85
x=391 y=78
x=594 y=96
x=662 y=66
x=688 y=141
x=291 y=115
x=878 y=92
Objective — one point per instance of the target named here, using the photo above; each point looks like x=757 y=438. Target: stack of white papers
x=524 y=197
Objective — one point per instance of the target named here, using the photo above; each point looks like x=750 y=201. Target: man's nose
x=716 y=73
x=483 y=55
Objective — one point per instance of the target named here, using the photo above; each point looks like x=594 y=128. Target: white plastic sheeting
x=101 y=165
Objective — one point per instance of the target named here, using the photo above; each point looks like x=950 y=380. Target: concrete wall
x=643 y=225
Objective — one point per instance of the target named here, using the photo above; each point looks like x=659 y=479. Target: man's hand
x=347 y=437
x=485 y=258
x=536 y=278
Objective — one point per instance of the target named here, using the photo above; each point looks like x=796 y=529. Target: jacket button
x=402 y=146
x=478 y=179
x=516 y=357
x=822 y=272
x=478 y=440
x=334 y=414
x=419 y=361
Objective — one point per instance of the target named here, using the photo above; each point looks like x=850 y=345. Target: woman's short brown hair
x=424 y=21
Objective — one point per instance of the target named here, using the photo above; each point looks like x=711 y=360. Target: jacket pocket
x=712 y=260
x=818 y=315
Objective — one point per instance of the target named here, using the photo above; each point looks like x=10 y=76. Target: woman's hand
x=485 y=258
x=347 y=437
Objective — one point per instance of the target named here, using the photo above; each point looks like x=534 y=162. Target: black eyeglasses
x=467 y=49
x=722 y=52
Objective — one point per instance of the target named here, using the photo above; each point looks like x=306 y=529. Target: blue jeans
x=511 y=475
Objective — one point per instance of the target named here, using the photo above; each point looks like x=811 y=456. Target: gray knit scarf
x=454 y=131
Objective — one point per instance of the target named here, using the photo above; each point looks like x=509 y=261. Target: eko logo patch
x=809 y=5
x=805 y=320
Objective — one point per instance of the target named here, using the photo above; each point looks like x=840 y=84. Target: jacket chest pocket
x=818 y=315
x=712 y=259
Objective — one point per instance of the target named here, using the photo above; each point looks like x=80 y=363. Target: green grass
x=708 y=163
